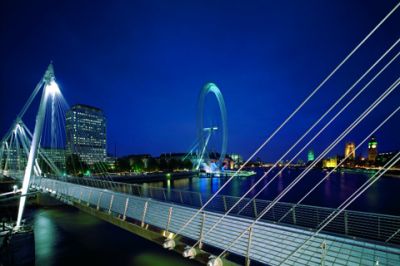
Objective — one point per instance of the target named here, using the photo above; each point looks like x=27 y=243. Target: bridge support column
x=49 y=82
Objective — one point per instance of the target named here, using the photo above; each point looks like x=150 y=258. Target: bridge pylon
x=50 y=87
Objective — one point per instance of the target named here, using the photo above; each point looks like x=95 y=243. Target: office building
x=372 y=150
x=86 y=133
x=350 y=151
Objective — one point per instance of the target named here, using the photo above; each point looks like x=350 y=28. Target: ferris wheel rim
x=212 y=88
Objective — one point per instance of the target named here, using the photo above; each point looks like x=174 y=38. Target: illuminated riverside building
x=86 y=133
x=330 y=162
x=310 y=156
x=372 y=149
x=350 y=151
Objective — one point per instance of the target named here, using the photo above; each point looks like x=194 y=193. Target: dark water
x=67 y=236
x=381 y=197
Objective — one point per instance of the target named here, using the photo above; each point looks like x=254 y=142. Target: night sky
x=144 y=63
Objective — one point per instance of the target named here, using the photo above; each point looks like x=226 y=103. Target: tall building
x=56 y=156
x=310 y=156
x=372 y=149
x=86 y=133
x=350 y=151
x=330 y=162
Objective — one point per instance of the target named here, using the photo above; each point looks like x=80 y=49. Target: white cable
x=310 y=141
x=350 y=200
x=341 y=162
x=327 y=150
x=290 y=117
x=316 y=135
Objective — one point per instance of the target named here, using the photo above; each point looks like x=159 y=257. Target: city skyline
x=263 y=72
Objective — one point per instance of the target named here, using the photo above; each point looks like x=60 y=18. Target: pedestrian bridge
x=367 y=239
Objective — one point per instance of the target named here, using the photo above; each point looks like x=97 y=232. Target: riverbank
x=152 y=177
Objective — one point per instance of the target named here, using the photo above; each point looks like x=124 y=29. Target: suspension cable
x=330 y=147
x=350 y=200
x=289 y=118
x=304 y=135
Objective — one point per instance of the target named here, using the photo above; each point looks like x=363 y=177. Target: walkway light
x=169 y=244
x=189 y=252
x=214 y=261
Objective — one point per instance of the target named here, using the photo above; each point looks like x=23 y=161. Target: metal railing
x=265 y=242
x=355 y=224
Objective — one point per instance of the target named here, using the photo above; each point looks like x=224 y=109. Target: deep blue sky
x=144 y=63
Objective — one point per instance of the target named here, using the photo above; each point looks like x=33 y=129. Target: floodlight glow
x=52 y=88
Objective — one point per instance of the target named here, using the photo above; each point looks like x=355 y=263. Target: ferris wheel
x=212 y=131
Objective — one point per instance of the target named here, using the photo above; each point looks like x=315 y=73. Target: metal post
x=90 y=194
x=255 y=208
x=393 y=235
x=224 y=200
x=379 y=227
x=126 y=208
x=201 y=201
x=249 y=246
x=346 y=228
x=323 y=253
x=169 y=219
x=98 y=201
x=80 y=196
x=144 y=213
x=180 y=195
x=111 y=202
x=203 y=219
x=294 y=215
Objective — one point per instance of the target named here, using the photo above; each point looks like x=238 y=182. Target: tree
x=137 y=165
x=152 y=164
x=75 y=166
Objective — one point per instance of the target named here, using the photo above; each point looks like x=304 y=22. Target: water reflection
x=331 y=193
x=67 y=236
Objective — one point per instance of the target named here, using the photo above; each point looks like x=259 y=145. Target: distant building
x=383 y=157
x=330 y=162
x=236 y=158
x=13 y=159
x=372 y=150
x=86 y=133
x=350 y=151
x=310 y=156
x=55 y=156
